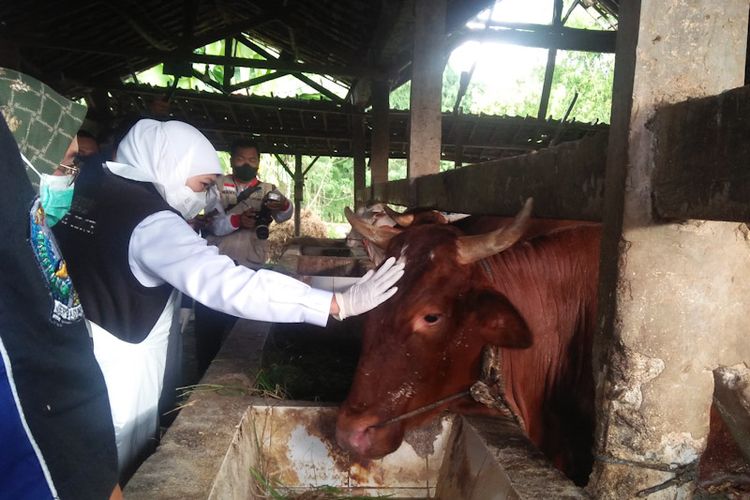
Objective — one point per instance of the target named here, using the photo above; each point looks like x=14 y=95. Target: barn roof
x=289 y=126
x=86 y=49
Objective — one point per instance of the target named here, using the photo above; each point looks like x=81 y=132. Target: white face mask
x=212 y=197
x=187 y=202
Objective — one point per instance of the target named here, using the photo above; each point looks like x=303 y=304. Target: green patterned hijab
x=42 y=121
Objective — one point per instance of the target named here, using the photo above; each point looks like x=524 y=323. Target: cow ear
x=498 y=321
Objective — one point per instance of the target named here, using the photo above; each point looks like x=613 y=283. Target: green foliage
x=591 y=76
x=588 y=74
x=400 y=97
x=272 y=489
x=396 y=169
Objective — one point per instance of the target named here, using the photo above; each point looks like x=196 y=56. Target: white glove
x=371 y=290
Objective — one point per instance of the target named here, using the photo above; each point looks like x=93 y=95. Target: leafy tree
x=587 y=73
x=400 y=97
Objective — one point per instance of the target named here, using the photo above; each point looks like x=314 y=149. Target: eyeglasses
x=72 y=170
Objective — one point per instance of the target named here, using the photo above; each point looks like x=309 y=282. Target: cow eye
x=432 y=318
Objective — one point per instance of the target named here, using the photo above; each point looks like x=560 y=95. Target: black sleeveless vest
x=94 y=238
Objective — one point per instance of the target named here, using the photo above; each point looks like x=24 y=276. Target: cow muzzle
x=361 y=436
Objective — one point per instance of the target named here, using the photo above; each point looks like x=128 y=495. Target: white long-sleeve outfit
x=163 y=248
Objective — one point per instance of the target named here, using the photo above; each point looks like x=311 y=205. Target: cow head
x=425 y=343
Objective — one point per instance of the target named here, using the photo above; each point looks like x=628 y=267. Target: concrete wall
x=673 y=296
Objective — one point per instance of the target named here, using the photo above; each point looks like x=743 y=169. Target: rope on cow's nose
x=488 y=391
x=423 y=409
x=490 y=388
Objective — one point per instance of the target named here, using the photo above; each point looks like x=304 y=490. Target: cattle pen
x=666 y=182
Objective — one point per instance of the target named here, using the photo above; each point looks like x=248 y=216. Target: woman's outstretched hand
x=370 y=291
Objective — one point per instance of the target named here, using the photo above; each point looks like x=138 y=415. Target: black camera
x=263 y=217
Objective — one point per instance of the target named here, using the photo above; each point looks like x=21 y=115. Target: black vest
x=94 y=238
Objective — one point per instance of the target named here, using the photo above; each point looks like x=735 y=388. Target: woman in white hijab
x=129 y=251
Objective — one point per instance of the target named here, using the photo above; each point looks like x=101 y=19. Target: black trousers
x=211 y=329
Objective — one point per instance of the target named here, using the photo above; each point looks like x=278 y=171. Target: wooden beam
x=310 y=165
x=542 y=36
x=380 y=140
x=247 y=42
x=358 y=155
x=299 y=184
x=550 y=69
x=400 y=192
x=315 y=85
x=261 y=51
x=277 y=64
x=547 y=85
x=701 y=158
x=207 y=80
x=267 y=130
x=227 y=64
x=239 y=62
x=325 y=107
x=567 y=182
x=257 y=80
x=426 y=88
x=283 y=165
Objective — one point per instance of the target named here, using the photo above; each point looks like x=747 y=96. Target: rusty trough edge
x=490 y=457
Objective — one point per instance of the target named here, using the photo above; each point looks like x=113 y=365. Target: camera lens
x=261 y=232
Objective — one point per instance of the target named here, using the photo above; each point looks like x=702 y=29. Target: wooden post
x=299 y=184
x=673 y=295
x=381 y=139
x=358 y=155
x=228 y=69
x=550 y=70
x=428 y=62
x=458 y=159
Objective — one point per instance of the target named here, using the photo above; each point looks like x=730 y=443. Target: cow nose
x=357 y=441
x=361 y=435
x=353 y=434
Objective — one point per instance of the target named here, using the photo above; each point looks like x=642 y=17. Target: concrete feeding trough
x=227 y=443
x=290 y=450
x=324 y=257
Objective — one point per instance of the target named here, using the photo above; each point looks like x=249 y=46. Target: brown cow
x=460 y=292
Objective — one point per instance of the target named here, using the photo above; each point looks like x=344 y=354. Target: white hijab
x=166 y=154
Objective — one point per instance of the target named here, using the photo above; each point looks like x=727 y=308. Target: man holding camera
x=241 y=232
x=249 y=205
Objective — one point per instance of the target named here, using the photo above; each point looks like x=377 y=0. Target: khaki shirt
x=243 y=245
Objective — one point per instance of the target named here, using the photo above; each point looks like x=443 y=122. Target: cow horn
x=403 y=220
x=474 y=248
x=380 y=236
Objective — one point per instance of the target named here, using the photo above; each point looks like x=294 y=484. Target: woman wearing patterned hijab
x=56 y=436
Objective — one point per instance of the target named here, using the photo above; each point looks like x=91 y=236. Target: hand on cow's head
x=497 y=321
